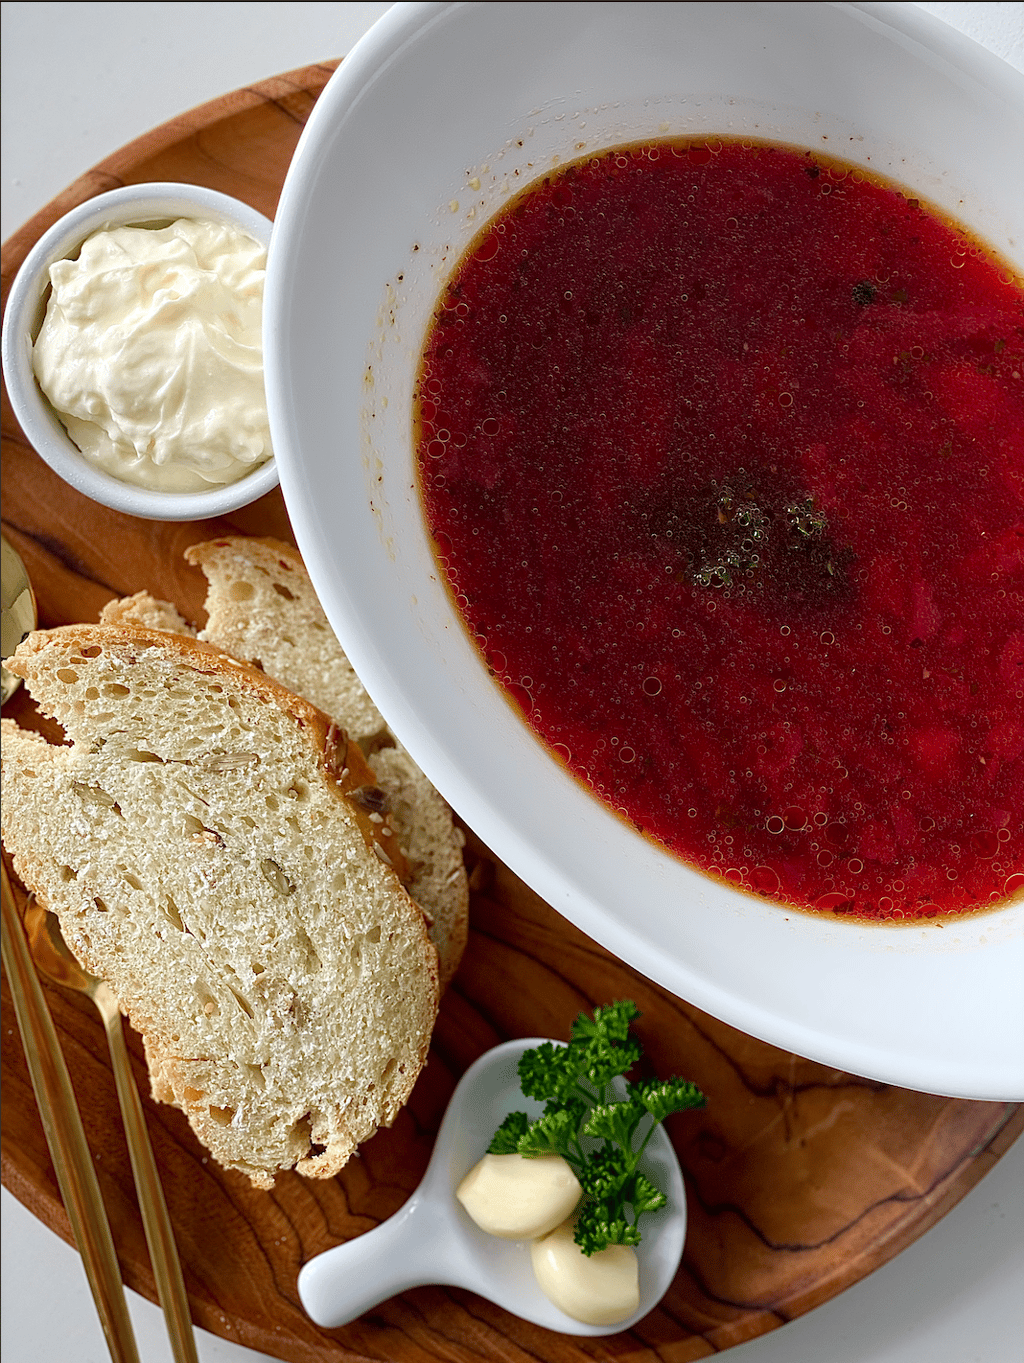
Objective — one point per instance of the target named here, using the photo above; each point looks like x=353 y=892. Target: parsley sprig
x=601 y=1137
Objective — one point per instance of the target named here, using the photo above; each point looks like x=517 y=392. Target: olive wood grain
x=800 y=1179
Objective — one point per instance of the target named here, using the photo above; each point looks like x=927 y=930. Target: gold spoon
x=65 y=1136
x=53 y=958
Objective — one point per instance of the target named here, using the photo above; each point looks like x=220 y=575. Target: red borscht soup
x=721 y=449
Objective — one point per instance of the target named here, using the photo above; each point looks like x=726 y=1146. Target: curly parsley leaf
x=597 y=1227
x=576 y=1106
x=547 y=1072
x=600 y=1062
x=615 y=1121
x=505 y=1140
x=663 y=1096
x=552 y=1134
x=611 y=1023
x=603 y=1048
x=605 y=1174
x=644 y=1195
x=600 y=1135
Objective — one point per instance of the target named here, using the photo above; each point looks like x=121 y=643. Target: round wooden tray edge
x=950 y=1190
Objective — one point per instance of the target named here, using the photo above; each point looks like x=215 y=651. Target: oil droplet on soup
x=722 y=448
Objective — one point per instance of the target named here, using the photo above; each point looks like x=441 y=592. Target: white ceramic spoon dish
x=432 y=1240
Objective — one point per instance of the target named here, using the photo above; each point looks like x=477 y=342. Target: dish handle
x=414 y=1247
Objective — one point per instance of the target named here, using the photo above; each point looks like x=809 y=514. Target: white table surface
x=79 y=81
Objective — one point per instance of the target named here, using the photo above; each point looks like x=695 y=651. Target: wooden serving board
x=800 y=1179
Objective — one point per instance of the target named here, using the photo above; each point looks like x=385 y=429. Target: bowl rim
x=988 y=1076
x=126 y=205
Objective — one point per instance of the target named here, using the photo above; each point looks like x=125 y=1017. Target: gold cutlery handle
x=163 y=1252
x=65 y=1136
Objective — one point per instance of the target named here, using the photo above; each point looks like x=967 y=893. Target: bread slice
x=261 y=607
x=205 y=845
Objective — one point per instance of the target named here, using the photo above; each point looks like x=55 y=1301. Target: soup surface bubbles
x=721 y=449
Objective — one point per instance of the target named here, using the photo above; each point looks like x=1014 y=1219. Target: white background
x=79 y=81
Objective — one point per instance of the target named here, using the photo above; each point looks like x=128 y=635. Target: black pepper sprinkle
x=864 y=293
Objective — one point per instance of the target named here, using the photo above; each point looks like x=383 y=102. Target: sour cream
x=517 y=1198
x=151 y=353
x=599 y=1289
